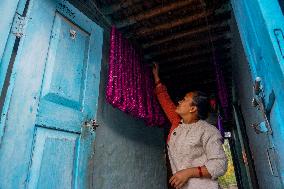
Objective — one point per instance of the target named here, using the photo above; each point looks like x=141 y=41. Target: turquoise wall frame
x=261 y=26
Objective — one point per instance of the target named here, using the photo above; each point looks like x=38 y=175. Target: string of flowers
x=130 y=85
x=221 y=86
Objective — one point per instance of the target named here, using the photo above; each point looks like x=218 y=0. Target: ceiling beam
x=194 y=83
x=107 y=10
x=190 y=53
x=186 y=57
x=193 y=78
x=190 y=71
x=195 y=39
x=206 y=52
x=198 y=73
x=189 y=45
x=209 y=68
x=192 y=63
x=179 y=91
x=191 y=83
x=205 y=28
x=184 y=64
x=174 y=23
x=154 y=12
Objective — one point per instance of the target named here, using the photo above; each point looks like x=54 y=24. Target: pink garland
x=130 y=84
x=222 y=88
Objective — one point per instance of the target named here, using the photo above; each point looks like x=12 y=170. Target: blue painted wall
x=128 y=154
x=243 y=84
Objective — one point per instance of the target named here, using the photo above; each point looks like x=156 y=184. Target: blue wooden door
x=261 y=26
x=48 y=138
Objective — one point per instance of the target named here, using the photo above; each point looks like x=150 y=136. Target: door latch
x=18 y=25
x=259 y=103
x=92 y=125
x=280 y=40
x=73 y=34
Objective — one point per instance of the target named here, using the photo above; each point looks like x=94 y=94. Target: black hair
x=201 y=101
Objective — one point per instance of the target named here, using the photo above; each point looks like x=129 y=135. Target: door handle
x=92 y=124
x=279 y=35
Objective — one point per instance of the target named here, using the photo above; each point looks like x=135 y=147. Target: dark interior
x=183 y=37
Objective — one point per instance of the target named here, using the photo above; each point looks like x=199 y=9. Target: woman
x=195 y=149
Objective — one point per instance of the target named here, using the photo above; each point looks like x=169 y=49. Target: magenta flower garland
x=130 y=85
x=222 y=88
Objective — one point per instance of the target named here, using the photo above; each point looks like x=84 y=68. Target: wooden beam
x=154 y=12
x=174 y=23
x=205 y=68
x=116 y=7
x=192 y=63
x=191 y=82
x=197 y=77
x=206 y=52
x=186 y=34
x=195 y=38
x=200 y=54
x=188 y=45
x=178 y=91
x=187 y=63
x=208 y=69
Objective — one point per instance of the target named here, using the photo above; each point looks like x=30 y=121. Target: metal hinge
x=18 y=25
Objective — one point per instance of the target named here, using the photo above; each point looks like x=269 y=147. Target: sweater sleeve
x=167 y=104
x=216 y=158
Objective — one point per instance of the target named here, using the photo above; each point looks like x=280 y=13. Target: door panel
x=64 y=82
x=257 y=22
x=53 y=159
x=46 y=143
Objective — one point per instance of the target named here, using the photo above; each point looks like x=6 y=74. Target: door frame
x=262 y=36
x=21 y=67
x=8 y=63
x=248 y=177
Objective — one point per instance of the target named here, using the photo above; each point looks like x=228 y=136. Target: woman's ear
x=193 y=109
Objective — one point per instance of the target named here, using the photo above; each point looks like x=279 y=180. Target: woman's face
x=185 y=105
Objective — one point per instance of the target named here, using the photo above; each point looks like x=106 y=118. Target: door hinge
x=18 y=25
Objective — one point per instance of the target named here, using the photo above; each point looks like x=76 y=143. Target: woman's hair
x=201 y=101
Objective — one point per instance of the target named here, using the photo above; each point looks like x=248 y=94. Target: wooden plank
x=116 y=7
x=154 y=12
x=194 y=63
x=174 y=23
x=185 y=34
x=188 y=45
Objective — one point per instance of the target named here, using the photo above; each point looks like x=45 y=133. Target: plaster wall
x=128 y=154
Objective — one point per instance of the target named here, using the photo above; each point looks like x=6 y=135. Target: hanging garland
x=130 y=84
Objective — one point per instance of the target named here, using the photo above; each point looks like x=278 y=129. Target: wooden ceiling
x=181 y=35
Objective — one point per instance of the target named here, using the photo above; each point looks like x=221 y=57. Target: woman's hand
x=156 y=72
x=180 y=178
